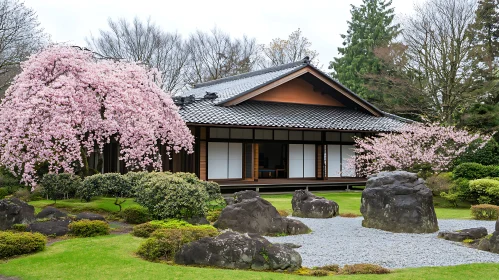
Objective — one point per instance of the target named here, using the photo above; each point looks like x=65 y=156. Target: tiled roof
x=286 y=115
x=229 y=87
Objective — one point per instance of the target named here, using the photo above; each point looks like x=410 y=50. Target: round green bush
x=20 y=227
x=87 y=228
x=169 y=196
x=136 y=215
x=60 y=186
x=472 y=170
x=19 y=243
x=113 y=184
x=144 y=230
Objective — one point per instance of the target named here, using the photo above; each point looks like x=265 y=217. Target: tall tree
x=484 y=33
x=144 y=41
x=281 y=51
x=65 y=103
x=440 y=51
x=20 y=36
x=214 y=55
x=371 y=26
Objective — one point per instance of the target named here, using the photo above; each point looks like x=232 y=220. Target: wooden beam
x=255 y=161
x=202 y=161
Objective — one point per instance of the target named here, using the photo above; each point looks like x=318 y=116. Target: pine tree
x=371 y=26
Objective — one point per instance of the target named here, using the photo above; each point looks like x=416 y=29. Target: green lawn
x=112 y=257
x=349 y=202
x=99 y=204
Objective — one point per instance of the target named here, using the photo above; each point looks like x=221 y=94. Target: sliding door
x=301 y=161
x=334 y=160
x=347 y=153
x=225 y=160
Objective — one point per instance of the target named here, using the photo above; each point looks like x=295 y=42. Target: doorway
x=272 y=160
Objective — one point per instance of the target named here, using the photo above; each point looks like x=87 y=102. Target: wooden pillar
x=326 y=176
x=202 y=161
x=255 y=161
x=319 y=162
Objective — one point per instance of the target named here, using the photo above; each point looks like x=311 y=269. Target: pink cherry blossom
x=415 y=146
x=66 y=100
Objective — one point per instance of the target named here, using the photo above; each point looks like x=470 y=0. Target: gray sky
x=322 y=22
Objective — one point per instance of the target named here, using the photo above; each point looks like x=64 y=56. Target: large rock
x=51 y=213
x=229 y=200
x=52 y=227
x=398 y=201
x=460 y=235
x=89 y=216
x=241 y=251
x=256 y=215
x=494 y=242
x=14 y=211
x=242 y=195
x=307 y=205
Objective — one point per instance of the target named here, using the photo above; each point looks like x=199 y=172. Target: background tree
x=145 y=42
x=214 y=55
x=65 y=103
x=440 y=51
x=371 y=26
x=281 y=51
x=20 y=36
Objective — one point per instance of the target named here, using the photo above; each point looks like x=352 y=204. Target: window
x=280 y=135
x=312 y=135
x=241 y=133
x=264 y=134
x=333 y=136
x=347 y=136
x=295 y=135
x=219 y=132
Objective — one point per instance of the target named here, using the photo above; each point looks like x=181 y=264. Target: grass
x=99 y=204
x=349 y=202
x=112 y=257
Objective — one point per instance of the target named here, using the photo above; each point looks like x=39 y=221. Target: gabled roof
x=228 y=101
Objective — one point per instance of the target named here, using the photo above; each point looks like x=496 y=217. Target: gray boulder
x=199 y=220
x=307 y=205
x=494 y=242
x=484 y=244
x=229 y=200
x=14 y=211
x=89 y=216
x=242 y=195
x=51 y=213
x=240 y=251
x=256 y=215
x=398 y=201
x=460 y=235
x=497 y=225
x=52 y=227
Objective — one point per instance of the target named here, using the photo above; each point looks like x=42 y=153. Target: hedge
x=19 y=243
x=485 y=212
x=87 y=228
x=473 y=171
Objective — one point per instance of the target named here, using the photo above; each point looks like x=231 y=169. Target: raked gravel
x=344 y=241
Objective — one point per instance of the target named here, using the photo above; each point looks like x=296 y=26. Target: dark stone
x=229 y=200
x=89 y=216
x=259 y=216
x=242 y=195
x=307 y=205
x=497 y=225
x=398 y=201
x=14 y=211
x=198 y=221
x=494 y=242
x=484 y=244
x=240 y=251
x=51 y=213
x=460 y=235
x=53 y=227
x=290 y=245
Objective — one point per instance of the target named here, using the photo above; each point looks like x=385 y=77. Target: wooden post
x=255 y=161
x=202 y=161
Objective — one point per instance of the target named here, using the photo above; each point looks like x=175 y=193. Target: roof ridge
x=304 y=61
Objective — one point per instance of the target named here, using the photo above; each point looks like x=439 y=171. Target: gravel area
x=344 y=241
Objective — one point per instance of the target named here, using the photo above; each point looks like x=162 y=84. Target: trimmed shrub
x=87 y=228
x=363 y=268
x=439 y=183
x=135 y=179
x=452 y=198
x=485 y=212
x=113 y=184
x=146 y=229
x=461 y=186
x=170 y=196
x=91 y=187
x=60 y=186
x=20 y=227
x=22 y=194
x=136 y=215
x=4 y=192
x=165 y=242
x=212 y=215
x=19 y=243
x=473 y=171
x=487 y=190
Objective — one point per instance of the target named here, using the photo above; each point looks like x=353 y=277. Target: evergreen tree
x=371 y=26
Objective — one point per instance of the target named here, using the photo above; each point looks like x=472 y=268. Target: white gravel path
x=344 y=241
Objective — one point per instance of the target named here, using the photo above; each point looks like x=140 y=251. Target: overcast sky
x=322 y=22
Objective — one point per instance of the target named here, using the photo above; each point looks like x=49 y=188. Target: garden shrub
x=20 y=227
x=363 y=268
x=88 y=228
x=485 y=212
x=146 y=229
x=60 y=186
x=136 y=215
x=22 y=194
x=165 y=242
x=212 y=215
x=439 y=183
x=19 y=243
x=91 y=187
x=461 y=186
x=4 y=192
x=37 y=194
x=113 y=184
x=170 y=196
x=8 y=181
x=487 y=190
x=487 y=155
x=135 y=179
x=452 y=198
x=471 y=171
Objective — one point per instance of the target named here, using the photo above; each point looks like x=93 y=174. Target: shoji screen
x=334 y=160
x=225 y=160
x=309 y=160
x=346 y=153
x=235 y=160
x=295 y=161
